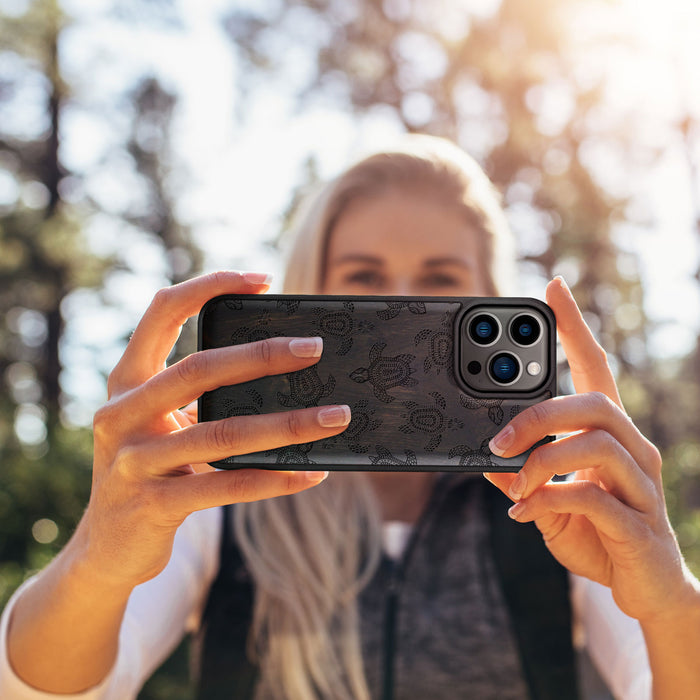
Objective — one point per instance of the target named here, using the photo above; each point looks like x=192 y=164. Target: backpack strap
x=225 y=670
x=536 y=591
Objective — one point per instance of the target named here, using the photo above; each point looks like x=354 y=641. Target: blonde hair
x=310 y=554
x=432 y=166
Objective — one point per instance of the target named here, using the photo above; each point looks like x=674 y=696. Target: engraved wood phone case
x=419 y=388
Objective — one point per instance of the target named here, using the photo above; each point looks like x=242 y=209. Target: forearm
x=64 y=631
x=673 y=645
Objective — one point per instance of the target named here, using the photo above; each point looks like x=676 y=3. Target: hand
x=609 y=523
x=150 y=468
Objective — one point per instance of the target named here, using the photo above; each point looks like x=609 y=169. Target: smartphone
x=429 y=380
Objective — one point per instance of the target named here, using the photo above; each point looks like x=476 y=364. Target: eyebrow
x=459 y=262
x=358 y=258
x=431 y=262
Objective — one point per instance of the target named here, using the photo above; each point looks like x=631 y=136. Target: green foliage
x=43 y=492
x=682 y=482
x=45 y=257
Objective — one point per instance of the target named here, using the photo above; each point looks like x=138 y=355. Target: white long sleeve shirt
x=162 y=610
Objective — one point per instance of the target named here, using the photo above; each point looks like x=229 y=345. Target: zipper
x=390 y=619
x=397 y=570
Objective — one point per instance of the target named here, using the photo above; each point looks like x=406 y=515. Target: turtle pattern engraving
x=385 y=373
x=469 y=457
x=394 y=308
x=234 y=304
x=240 y=408
x=253 y=333
x=362 y=421
x=289 y=306
x=293 y=454
x=429 y=419
x=494 y=407
x=340 y=324
x=306 y=389
x=440 y=344
x=384 y=458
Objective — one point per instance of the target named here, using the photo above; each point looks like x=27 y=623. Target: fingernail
x=501 y=442
x=563 y=283
x=517 y=488
x=257 y=278
x=316 y=477
x=306 y=347
x=516 y=510
x=487 y=476
x=334 y=416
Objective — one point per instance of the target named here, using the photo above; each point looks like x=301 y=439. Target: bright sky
x=240 y=175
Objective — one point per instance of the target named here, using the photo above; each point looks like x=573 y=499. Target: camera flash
x=534 y=368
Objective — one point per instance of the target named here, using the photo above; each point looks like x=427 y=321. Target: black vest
x=538 y=604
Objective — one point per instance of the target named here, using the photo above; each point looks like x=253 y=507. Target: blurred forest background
x=526 y=87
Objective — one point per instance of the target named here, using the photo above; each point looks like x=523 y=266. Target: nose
x=400 y=287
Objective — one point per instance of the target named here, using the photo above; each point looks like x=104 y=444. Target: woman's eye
x=365 y=278
x=439 y=280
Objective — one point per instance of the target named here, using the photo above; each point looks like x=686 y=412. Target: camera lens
x=484 y=329
x=504 y=368
x=525 y=329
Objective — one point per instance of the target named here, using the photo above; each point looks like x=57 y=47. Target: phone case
x=393 y=360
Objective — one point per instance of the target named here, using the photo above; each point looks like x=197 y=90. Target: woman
x=422 y=220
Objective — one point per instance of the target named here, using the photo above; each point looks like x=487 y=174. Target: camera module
x=505 y=347
x=525 y=330
x=484 y=329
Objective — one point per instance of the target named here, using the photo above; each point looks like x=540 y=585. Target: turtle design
x=289 y=306
x=494 y=407
x=429 y=419
x=384 y=458
x=337 y=324
x=362 y=421
x=234 y=304
x=473 y=458
x=440 y=344
x=393 y=309
x=385 y=373
x=237 y=408
x=306 y=389
x=293 y=454
x=250 y=334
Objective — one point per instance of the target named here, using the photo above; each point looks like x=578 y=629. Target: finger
x=607 y=514
x=190 y=414
x=588 y=361
x=209 y=490
x=568 y=414
x=207 y=370
x=186 y=416
x=216 y=440
x=501 y=480
x=160 y=326
x=551 y=524
x=595 y=449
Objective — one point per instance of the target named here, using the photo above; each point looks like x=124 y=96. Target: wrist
x=83 y=563
x=64 y=629
x=682 y=610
